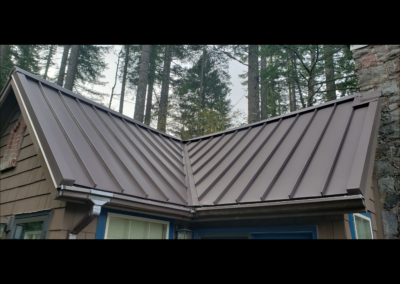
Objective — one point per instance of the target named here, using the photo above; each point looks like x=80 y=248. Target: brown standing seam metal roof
x=326 y=150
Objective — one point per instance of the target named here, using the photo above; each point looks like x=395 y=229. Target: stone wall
x=378 y=67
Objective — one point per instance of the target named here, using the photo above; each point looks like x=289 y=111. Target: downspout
x=94 y=212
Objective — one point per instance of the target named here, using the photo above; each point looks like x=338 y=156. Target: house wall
x=26 y=188
x=378 y=68
x=373 y=208
x=328 y=227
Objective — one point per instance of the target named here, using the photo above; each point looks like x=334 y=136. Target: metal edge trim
x=34 y=130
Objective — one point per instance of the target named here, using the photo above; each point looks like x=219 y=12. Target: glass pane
x=139 y=229
x=32 y=230
x=367 y=226
x=118 y=228
x=157 y=231
x=363 y=228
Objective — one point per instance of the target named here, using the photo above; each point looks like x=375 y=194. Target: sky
x=237 y=94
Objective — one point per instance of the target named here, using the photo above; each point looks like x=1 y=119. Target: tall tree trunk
x=63 y=65
x=121 y=102
x=48 y=61
x=2 y=63
x=253 y=88
x=264 y=111
x=162 y=114
x=291 y=86
x=143 y=78
x=152 y=72
x=329 y=74
x=116 y=78
x=297 y=81
x=293 y=95
x=311 y=81
x=72 y=67
x=201 y=88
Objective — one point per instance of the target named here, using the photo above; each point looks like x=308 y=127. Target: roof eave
x=303 y=207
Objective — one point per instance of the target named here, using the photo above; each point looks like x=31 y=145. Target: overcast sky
x=236 y=96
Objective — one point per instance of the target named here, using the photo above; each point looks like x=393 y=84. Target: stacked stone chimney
x=378 y=68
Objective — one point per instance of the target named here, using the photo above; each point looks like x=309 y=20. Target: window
x=30 y=226
x=129 y=227
x=362 y=227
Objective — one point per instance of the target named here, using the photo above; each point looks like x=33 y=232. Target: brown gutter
x=317 y=206
x=74 y=193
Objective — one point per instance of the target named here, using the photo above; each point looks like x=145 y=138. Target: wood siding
x=27 y=187
x=373 y=208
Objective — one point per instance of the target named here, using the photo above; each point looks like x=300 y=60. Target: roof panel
x=299 y=154
x=347 y=154
x=315 y=176
x=266 y=176
x=293 y=169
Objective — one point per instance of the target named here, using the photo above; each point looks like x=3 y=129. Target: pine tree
x=142 y=84
x=63 y=65
x=204 y=82
x=162 y=114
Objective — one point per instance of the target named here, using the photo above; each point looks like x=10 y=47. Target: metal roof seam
x=174 y=150
x=358 y=176
x=165 y=148
x=126 y=150
x=140 y=152
x=312 y=153
x=153 y=145
x=271 y=154
x=189 y=175
x=153 y=154
x=277 y=118
x=234 y=161
x=173 y=143
x=166 y=181
x=218 y=163
x=201 y=148
x=208 y=150
x=82 y=98
x=197 y=144
x=162 y=146
x=91 y=144
x=73 y=148
x=242 y=169
x=332 y=167
x=111 y=150
x=290 y=154
x=216 y=153
x=204 y=193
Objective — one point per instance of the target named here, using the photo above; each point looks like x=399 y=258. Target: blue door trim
x=351 y=221
x=255 y=230
x=102 y=220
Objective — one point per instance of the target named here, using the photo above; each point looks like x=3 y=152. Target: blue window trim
x=351 y=221
x=102 y=220
x=30 y=215
x=306 y=229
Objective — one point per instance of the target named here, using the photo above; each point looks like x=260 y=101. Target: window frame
x=355 y=226
x=29 y=218
x=109 y=214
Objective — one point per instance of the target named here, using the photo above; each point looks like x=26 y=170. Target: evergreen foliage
x=215 y=110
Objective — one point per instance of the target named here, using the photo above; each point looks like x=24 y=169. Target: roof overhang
x=277 y=209
x=64 y=176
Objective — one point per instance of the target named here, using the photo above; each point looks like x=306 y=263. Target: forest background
x=192 y=90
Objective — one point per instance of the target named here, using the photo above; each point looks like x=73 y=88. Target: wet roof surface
x=320 y=151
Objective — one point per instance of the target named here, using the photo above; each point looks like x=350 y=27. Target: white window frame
x=363 y=217
x=136 y=218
